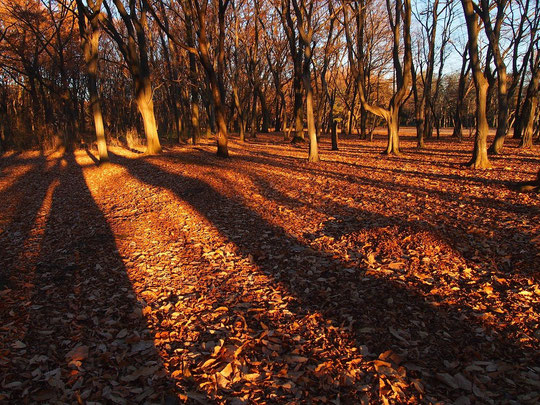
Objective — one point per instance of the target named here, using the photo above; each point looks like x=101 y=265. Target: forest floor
x=267 y=279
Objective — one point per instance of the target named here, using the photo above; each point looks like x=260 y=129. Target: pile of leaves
x=267 y=279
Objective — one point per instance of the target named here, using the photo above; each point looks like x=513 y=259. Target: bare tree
x=399 y=17
x=297 y=19
x=531 y=104
x=480 y=157
x=89 y=29
x=134 y=49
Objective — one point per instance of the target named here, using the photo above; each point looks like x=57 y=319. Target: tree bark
x=531 y=104
x=480 y=157
x=89 y=31
x=460 y=102
x=145 y=104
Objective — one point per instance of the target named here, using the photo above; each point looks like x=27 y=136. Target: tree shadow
x=21 y=200
x=474 y=240
x=291 y=163
x=347 y=309
x=77 y=332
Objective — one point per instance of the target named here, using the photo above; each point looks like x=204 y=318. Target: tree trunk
x=363 y=123
x=460 y=102
x=313 y=147
x=480 y=157
x=240 y=112
x=90 y=50
x=265 y=112
x=502 y=122
x=253 y=127
x=530 y=107
x=143 y=97
x=334 y=135
x=392 y=123
x=419 y=110
x=528 y=125
x=298 y=112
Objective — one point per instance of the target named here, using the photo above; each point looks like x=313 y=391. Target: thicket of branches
x=101 y=71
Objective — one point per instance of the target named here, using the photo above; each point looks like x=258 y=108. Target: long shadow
x=21 y=202
x=290 y=163
x=367 y=310
x=475 y=247
x=80 y=334
x=472 y=245
x=419 y=174
x=16 y=159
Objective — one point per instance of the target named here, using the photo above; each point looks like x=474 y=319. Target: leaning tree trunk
x=480 y=157
x=143 y=98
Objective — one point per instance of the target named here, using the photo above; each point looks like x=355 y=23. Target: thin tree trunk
x=298 y=111
x=460 y=102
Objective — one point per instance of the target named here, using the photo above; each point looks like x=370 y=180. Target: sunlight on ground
x=265 y=278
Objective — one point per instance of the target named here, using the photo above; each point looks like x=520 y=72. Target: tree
x=297 y=19
x=88 y=18
x=480 y=157
x=531 y=104
x=402 y=70
x=464 y=86
x=198 y=11
x=134 y=49
x=304 y=24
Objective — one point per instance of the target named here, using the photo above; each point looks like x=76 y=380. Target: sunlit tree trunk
x=392 y=123
x=530 y=106
x=89 y=31
x=214 y=75
x=95 y=104
x=480 y=157
x=135 y=52
x=145 y=104
x=493 y=32
x=313 y=147
x=303 y=14
x=403 y=71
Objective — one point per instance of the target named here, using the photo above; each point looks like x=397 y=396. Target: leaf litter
x=267 y=279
